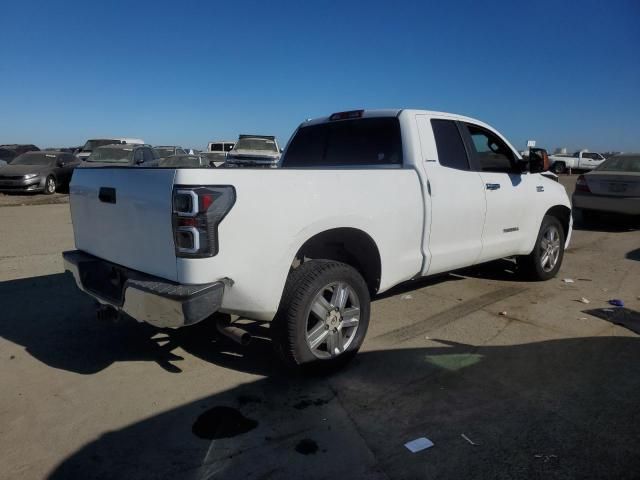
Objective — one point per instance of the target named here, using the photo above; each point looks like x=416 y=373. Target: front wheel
x=50 y=185
x=545 y=260
x=559 y=168
x=323 y=316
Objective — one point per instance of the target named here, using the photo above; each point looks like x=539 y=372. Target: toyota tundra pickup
x=363 y=201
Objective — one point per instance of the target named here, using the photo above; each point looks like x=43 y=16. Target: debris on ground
x=468 y=439
x=568 y=280
x=584 y=300
x=418 y=444
x=585 y=280
x=407 y=297
x=503 y=314
x=616 y=302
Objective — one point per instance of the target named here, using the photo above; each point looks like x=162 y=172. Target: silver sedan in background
x=613 y=187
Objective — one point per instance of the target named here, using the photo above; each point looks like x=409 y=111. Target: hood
x=253 y=155
x=103 y=164
x=16 y=170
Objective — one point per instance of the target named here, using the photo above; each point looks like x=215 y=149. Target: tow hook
x=106 y=313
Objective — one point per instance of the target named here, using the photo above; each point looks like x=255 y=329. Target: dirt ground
x=540 y=384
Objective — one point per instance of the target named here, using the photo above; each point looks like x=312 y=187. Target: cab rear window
x=358 y=142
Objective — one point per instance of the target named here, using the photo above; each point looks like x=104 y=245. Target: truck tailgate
x=123 y=215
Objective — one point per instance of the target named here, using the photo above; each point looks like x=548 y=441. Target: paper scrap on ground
x=568 y=280
x=584 y=300
x=468 y=439
x=407 y=297
x=418 y=444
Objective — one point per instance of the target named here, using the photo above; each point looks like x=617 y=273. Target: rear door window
x=451 y=152
x=358 y=142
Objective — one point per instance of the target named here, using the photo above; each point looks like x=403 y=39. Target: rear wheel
x=545 y=260
x=323 y=316
x=559 y=167
x=50 y=185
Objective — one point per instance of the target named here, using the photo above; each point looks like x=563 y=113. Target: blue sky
x=565 y=73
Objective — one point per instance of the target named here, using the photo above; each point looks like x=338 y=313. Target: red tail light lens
x=581 y=185
x=197 y=212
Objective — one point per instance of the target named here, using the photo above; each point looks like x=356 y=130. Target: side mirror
x=538 y=160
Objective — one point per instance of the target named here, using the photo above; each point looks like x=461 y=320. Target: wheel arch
x=348 y=245
x=563 y=214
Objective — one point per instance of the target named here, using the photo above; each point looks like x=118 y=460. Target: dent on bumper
x=149 y=299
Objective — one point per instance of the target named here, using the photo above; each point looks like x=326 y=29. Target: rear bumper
x=603 y=203
x=144 y=297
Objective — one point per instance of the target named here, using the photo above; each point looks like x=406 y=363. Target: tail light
x=581 y=185
x=197 y=212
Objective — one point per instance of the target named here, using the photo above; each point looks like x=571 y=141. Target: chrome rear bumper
x=144 y=297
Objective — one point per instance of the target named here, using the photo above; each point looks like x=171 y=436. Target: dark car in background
x=45 y=171
x=10 y=151
x=166 y=151
x=132 y=154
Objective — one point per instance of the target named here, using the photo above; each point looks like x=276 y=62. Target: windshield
x=91 y=145
x=620 y=164
x=111 y=155
x=256 y=144
x=165 y=152
x=6 y=154
x=34 y=159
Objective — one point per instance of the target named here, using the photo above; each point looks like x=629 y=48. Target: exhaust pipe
x=237 y=334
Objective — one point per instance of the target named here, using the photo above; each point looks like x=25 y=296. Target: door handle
x=492 y=186
x=107 y=195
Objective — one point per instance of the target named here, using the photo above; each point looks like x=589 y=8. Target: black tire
x=559 y=167
x=50 y=185
x=295 y=320
x=533 y=266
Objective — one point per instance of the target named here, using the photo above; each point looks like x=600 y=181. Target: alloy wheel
x=332 y=320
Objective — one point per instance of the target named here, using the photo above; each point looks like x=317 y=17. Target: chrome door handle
x=492 y=186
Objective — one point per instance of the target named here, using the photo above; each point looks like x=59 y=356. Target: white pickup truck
x=577 y=161
x=364 y=200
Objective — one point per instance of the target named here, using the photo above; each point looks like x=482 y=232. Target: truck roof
x=394 y=112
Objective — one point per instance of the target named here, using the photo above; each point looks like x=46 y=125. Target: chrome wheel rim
x=51 y=185
x=550 y=248
x=332 y=320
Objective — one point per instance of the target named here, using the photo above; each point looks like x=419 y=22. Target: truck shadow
x=56 y=324
x=553 y=409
